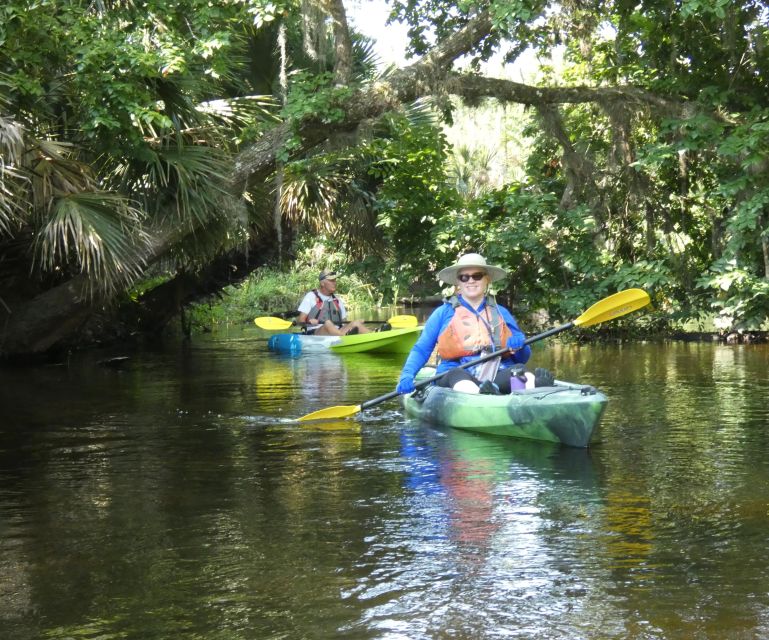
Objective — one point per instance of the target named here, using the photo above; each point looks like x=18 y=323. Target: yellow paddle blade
x=331 y=413
x=272 y=324
x=613 y=307
x=403 y=322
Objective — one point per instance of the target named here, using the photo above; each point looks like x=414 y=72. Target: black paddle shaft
x=489 y=356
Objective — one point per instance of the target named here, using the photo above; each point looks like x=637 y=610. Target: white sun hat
x=467 y=261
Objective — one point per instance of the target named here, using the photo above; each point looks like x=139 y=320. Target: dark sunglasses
x=465 y=277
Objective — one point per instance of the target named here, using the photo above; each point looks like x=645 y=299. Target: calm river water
x=175 y=497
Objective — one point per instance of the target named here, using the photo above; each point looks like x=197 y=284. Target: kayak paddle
x=271 y=323
x=614 y=306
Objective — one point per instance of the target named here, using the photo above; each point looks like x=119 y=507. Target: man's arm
x=304 y=308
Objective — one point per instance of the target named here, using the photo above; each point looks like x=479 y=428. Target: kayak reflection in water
x=468 y=325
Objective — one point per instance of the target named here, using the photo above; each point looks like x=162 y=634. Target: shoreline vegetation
x=140 y=175
x=274 y=293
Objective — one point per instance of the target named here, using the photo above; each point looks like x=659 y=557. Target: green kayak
x=392 y=341
x=565 y=413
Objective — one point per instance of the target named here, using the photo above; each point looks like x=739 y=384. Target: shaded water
x=176 y=497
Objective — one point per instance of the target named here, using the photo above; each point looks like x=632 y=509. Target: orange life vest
x=469 y=333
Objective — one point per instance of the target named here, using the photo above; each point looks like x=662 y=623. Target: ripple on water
x=181 y=497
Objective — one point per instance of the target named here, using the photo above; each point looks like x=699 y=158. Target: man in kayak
x=467 y=326
x=323 y=313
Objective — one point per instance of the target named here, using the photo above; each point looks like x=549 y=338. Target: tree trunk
x=343 y=44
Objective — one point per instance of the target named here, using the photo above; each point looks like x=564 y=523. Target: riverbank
x=733 y=337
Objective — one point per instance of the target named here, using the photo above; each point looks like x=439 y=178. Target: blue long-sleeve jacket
x=437 y=323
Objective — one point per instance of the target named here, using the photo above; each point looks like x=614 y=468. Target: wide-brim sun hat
x=468 y=261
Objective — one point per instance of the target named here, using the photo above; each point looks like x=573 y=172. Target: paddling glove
x=405 y=384
x=515 y=341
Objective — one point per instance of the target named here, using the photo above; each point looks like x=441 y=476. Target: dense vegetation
x=154 y=152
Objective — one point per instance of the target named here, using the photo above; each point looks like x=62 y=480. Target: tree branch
x=476 y=87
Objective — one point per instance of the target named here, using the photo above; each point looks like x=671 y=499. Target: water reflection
x=178 y=496
x=322 y=380
x=477 y=515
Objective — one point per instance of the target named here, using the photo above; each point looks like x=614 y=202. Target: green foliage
x=651 y=275
x=264 y=293
x=311 y=96
x=113 y=102
x=741 y=298
x=470 y=170
x=316 y=96
x=550 y=254
x=693 y=193
x=270 y=292
x=413 y=196
x=120 y=121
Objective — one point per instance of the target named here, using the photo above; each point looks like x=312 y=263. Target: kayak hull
x=393 y=341
x=565 y=413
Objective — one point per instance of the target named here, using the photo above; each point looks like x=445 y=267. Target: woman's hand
x=405 y=385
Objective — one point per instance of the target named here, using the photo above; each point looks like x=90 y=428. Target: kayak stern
x=565 y=413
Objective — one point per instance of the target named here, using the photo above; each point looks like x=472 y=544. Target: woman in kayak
x=323 y=313
x=467 y=326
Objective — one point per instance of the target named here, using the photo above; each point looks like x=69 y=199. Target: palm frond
x=186 y=182
x=423 y=111
x=328 y=195
x=471 y=170
x=12 y=179
x=11 y=141
x=98 y=233
x=55 y=173
x=310 y=192
x=366 y=61
x=240 y=112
